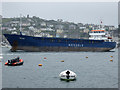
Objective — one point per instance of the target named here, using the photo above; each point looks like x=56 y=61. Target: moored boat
x=67 y=75
x=14 y=62
x=30 y=43
x=98 y=41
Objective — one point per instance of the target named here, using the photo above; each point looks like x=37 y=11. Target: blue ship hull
x=30 y=43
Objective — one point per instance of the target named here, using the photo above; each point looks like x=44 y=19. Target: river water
x=96 y=71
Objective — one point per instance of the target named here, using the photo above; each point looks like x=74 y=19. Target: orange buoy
x=111 y=60
x=45 y=58
x=111 y=56
x=62 y=60
x=39 y=64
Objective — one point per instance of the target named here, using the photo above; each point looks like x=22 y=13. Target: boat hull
x=15 y=63
x=58 y=49
x=20 y=63
x=39 y=44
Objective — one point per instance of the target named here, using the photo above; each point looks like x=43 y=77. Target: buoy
x=45 y=58
x=62 y=61
x=111 y=60
x=86 y=57
x=39 y=64
x=111 y=56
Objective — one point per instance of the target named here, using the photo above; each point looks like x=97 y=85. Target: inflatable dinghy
x=67 y=75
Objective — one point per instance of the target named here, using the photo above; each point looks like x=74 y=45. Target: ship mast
x=101 y=24
x=20 y=25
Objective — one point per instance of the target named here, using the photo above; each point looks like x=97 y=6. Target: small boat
x=67 y=75
x=14 y=62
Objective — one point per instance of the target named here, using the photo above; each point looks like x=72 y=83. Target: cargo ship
x=98 y=41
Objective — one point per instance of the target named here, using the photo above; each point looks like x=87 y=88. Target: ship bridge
x=99 y=34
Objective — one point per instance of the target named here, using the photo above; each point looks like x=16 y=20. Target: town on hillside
x=36 y=26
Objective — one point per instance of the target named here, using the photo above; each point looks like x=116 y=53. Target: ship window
x=103 y=35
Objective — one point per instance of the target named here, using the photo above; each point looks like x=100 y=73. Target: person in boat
x=14 y=60
x=8 y=61
x=17 y=59
x=68 y=76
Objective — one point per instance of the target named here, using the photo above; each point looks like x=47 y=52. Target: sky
x=78 y=12
x=119 y=13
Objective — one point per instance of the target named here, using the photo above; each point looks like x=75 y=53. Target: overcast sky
x=78 y=12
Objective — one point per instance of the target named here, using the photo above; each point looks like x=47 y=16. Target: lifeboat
x=67 y=75
x=14 y=62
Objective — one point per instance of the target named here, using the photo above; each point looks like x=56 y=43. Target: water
x=96 y=71
x=0 y=68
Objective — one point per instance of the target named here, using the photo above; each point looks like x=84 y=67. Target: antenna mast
x=20 y=25
x=101 y=24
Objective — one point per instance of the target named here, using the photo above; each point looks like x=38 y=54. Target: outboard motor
x=68 y=76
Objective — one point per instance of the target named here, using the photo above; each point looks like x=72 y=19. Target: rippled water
x=96 y=71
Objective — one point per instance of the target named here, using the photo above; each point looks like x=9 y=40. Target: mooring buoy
x=45 y=58
x=111 y=60
x=111 y=56
x=39 y=64
x=62 y=60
